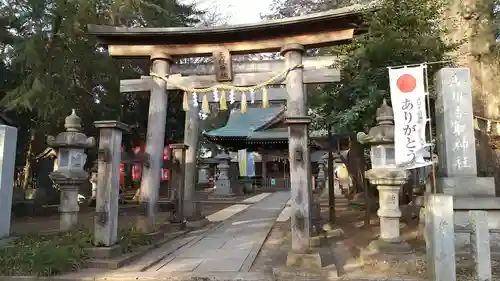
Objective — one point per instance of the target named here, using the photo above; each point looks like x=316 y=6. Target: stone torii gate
x=291 y=37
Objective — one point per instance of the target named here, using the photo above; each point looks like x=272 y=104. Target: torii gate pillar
x=300 y=164
x=155 y=141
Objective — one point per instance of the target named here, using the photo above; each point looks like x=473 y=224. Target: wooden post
x=108 y=182
x=264 y=169
x=191 y=136
x=331 y=182
x=300 y=166
x=155 y=141
x=179 y=161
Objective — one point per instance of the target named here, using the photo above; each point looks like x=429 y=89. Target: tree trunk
x=27 y=161
x=355 y=164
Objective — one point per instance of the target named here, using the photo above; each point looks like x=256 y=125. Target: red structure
x=136 y=168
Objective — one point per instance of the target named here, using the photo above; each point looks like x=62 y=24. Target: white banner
x=408 y=96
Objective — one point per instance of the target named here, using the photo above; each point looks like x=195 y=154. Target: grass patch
x=54 y=254
x=131 y=239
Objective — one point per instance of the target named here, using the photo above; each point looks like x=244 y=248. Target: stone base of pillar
x=389 y=254
x=145 y=224
x=197 y=223
x=68 y=221
x=225 y=196
x=303 y=261
x=104 y=252
x=5 y=241
x=307 y=266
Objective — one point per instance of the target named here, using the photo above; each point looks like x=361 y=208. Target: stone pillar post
x=8 y=140
x=179 y=165
x=480 y=241
x=389 y=182
x=155 y=141
x=439 y=237
x=108 y=182
x=191 y=136
x=223 y=184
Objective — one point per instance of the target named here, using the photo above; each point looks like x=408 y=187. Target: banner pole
x=433 y=168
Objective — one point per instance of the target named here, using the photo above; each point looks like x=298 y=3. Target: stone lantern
x=389 y=179
x=69 y=174
x=321 y=174
x=223 y=184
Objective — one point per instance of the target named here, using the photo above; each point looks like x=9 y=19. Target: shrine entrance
x=225 y=82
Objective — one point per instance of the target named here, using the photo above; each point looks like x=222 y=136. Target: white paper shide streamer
x=232 y=97
x=408 y=97
x=216 y=95
x=195 y=99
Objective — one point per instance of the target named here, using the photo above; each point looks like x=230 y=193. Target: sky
x=239 y=11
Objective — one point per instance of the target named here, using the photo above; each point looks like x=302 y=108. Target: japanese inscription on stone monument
x=454 y=123
x=461 y=144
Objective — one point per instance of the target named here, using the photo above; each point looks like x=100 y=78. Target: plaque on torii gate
x=291 y=37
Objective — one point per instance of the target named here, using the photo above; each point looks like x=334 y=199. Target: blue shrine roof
x=243 y=125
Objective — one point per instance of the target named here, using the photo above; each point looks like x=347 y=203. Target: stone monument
x=69 y=175
x=8 y=140
x=457 y=155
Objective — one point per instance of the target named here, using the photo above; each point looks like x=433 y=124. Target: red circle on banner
x=406 y=83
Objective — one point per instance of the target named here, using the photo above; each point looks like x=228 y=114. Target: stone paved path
x=231 y=247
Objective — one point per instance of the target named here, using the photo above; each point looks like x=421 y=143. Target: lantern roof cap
x=383 y=132
x=73 y=123
x=223 y=156
x=72 y=137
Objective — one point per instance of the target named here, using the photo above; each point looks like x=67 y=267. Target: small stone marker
x=203 y=171
x=223 y=184
x=455 y=139
x=439 y=237
x=480 y=241
x=8 y=140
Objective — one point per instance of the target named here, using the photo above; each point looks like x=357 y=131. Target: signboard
x=222 y=65
x=408 y=95
x=250 y=164
x=242 y=162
